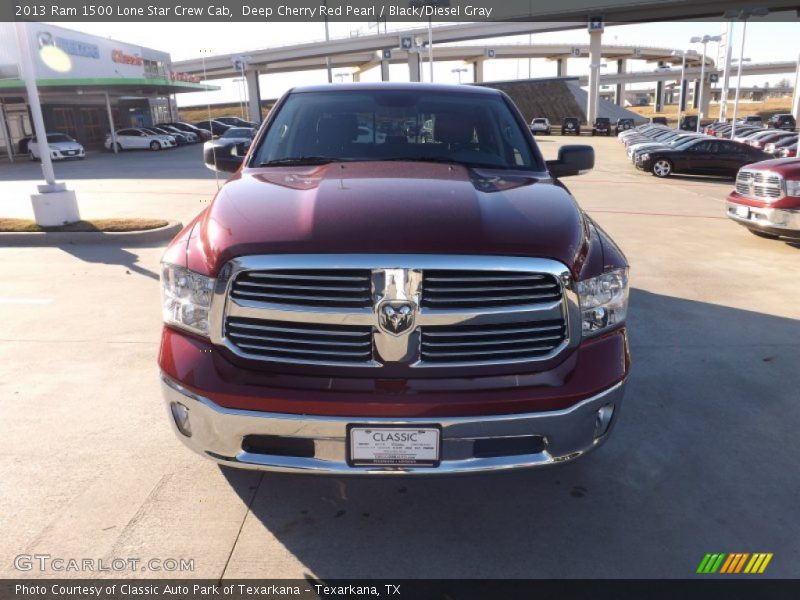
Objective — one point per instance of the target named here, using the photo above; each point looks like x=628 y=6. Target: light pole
x=743 y=15
x=327 y=39
x=681 y=98
x=54 y=204
x=433 y=4
x=459 y=70
x=703 y=40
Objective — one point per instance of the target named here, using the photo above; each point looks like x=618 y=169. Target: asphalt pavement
x=703 y=458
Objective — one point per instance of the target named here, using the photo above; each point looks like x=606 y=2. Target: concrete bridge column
x=684 y=92
x=595 y=41
x=413 y=66
x=384 y=70
x=620 y=93
x=477 y=70
x=561 y=67
x=696 y=95
x=659 y=99
x=253 y=95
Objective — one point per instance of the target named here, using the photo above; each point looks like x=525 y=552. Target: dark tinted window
x=374 y=125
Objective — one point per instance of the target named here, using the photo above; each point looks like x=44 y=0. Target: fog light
x=603 y=420
x=181 y=415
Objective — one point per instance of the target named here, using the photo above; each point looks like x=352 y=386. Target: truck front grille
x=349 y=288
x=759 y=185
x=494 y=343
x=404 y=313
x=474 y=289
x=289 y=342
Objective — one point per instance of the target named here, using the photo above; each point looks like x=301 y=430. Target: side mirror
x=227 y=157
x=572 y=160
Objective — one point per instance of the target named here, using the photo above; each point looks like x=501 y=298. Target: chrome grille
x=347 y=288
x=759 y=185
x=287 y=342
x=406 y=313
x=472 y=289
x=492 y=343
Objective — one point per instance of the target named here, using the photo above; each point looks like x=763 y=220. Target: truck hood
x=389 y=207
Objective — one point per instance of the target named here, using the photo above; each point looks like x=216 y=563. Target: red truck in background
x=394 y=281
x=766 y=199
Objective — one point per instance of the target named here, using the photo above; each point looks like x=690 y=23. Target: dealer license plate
x=394 y=446
x=743 y=212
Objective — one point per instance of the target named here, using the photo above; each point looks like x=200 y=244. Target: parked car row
x=572 y=126
x=662 y=151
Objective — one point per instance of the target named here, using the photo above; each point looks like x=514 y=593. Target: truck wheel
x=662 y=168
x=763 y=234
x=155 y=146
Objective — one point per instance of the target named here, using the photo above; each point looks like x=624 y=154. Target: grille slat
x=497 y=343
x=487 y=289
x=302 y=342
x=340 y=288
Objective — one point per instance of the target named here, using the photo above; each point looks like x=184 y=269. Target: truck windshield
x=476 y=130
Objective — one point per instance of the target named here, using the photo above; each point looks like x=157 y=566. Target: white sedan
x=139 y=139
x=60 y=145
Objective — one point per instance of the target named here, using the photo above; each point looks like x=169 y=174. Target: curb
x=119 y=238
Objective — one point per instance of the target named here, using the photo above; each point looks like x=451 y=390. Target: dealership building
x=88 y=85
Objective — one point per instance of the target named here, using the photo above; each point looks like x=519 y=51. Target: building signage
x=73 y=47
x=118 y=56
x=175 y=76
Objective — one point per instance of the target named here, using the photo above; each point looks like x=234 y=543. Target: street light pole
x=54 y=204
x=430 y=48
x=681 y=97
x=703 y=40
x=742 y=15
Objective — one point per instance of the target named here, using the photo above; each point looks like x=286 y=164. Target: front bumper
x=218 y=433
x=777 y=221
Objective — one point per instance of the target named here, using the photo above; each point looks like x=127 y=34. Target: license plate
x=743 y=212
x=393 y=446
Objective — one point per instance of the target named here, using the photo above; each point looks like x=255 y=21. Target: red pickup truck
x=766 y=199
x=394 y=281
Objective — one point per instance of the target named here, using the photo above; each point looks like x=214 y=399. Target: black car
x=623 y=125
x=601 y=125
x=203 y=134
x=571 y=126
x=782 y=121
x=702 y=157
x=214 y=126
x=236 y=122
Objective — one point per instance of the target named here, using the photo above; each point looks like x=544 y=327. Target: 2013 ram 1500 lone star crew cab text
x=394 y=281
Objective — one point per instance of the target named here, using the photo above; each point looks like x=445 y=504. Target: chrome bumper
x=218 y=432
x=768 y=218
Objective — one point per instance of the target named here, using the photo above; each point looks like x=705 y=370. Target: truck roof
x=398 y=86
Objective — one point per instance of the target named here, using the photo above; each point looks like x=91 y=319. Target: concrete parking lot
x=703 y=459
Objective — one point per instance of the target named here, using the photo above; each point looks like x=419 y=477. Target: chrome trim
x=217 y=433
x=747 y=184
x=408 y=268
x=775 y=218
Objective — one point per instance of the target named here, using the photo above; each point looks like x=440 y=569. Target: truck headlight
x=186 y=298
x=603 y=301
x=793 y=187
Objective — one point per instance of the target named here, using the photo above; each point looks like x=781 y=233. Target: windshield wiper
x=299 y=160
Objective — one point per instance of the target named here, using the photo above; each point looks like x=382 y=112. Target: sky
x=764 y=42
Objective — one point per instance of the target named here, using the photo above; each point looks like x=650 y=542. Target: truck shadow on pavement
x=701 y=453
x=108 y=254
